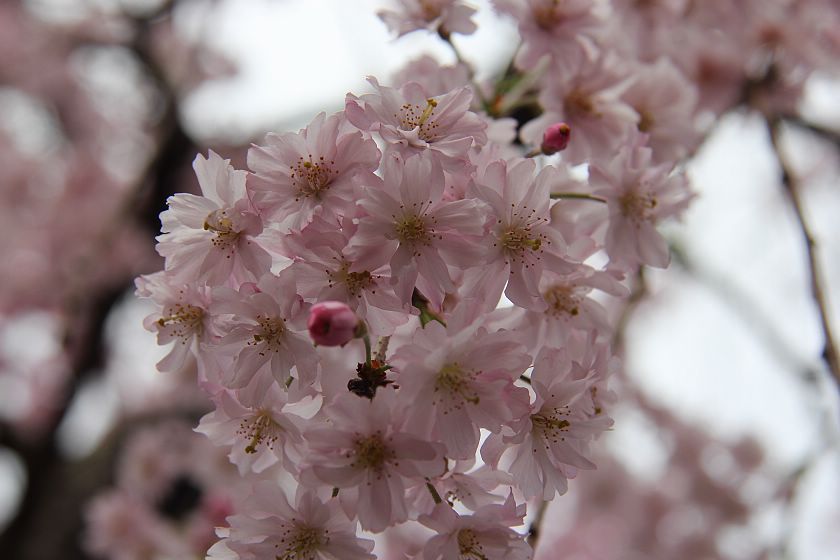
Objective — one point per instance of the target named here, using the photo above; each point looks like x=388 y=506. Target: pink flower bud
x=332 y=323
x=556 y=138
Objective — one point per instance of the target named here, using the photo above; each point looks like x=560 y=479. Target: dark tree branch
x=830 y=354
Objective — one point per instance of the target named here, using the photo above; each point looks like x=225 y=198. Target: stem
x=830 y=353
x=447 y=38
x=823 y=132
x=433 y=491
x=381 y=348
x=752 y=316
x=640 y=291
x=534 y=528
x=366 y=339
x=520 y=92
x=577 y=196
x=420 y=301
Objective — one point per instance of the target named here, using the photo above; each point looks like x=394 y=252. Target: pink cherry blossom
x=522 y=242
x=589 y=101
x=258 y=436
x=264 y=331
x=270 y=527
x=324 y=272
x=485 y=534
x=567 y=30
x=443 y=16
x=434 y=78
x=463 y=482
x=312 y=172
x=408 y=226
x=666 y=103
x=639 y=195
x=182 y=319
x=210 y=238
x=460 y=379
x=411 y=121
x=366 y=452
x=549 y=445
x=570 y=308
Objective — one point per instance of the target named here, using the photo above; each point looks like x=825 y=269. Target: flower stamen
x=469 y=545
x=186 y=320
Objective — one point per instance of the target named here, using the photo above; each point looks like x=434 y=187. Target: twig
x=823 y=132
x=741 y=304
x=640 y=290
x=433 y=491
x=381 y=349
x=536 y=525
x=447 y=38
x=577 y=196
x=818 y=291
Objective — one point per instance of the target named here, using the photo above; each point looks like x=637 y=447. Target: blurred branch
x=818 y=291
x=637 y=295
x=752 y=316
x=823 y=132
x=536 y=525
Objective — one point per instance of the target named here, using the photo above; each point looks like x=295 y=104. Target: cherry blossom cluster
x=340 y=299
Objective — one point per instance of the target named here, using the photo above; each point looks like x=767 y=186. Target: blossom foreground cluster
x=419 y=208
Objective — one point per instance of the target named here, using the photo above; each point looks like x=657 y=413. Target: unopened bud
x=556 y=138
x=332 y=323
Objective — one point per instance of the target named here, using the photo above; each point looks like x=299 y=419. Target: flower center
x=270 y=333
x=563 y=300
x=638 y=207
x=553 y=423
x=356 y=282
x=546 y=15
x=259 y=428
x=517 y=239
x=312 y=178
x=222 y=225
x=371 y=453
x=646 y=121
x=453 y=379
x=431 y=9
x=579 y=104
x=411 y=229
x=185 y=320
x=469 y=545
x=414 y=116
x=300 y=542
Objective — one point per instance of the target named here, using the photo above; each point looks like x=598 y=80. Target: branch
x=830 y=353
x=823 y=132
x=741 y=304
x=536 y=525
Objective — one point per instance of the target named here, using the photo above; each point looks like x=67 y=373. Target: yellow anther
x=427 y=112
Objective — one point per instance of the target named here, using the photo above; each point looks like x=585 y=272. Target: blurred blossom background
x=725 y=442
